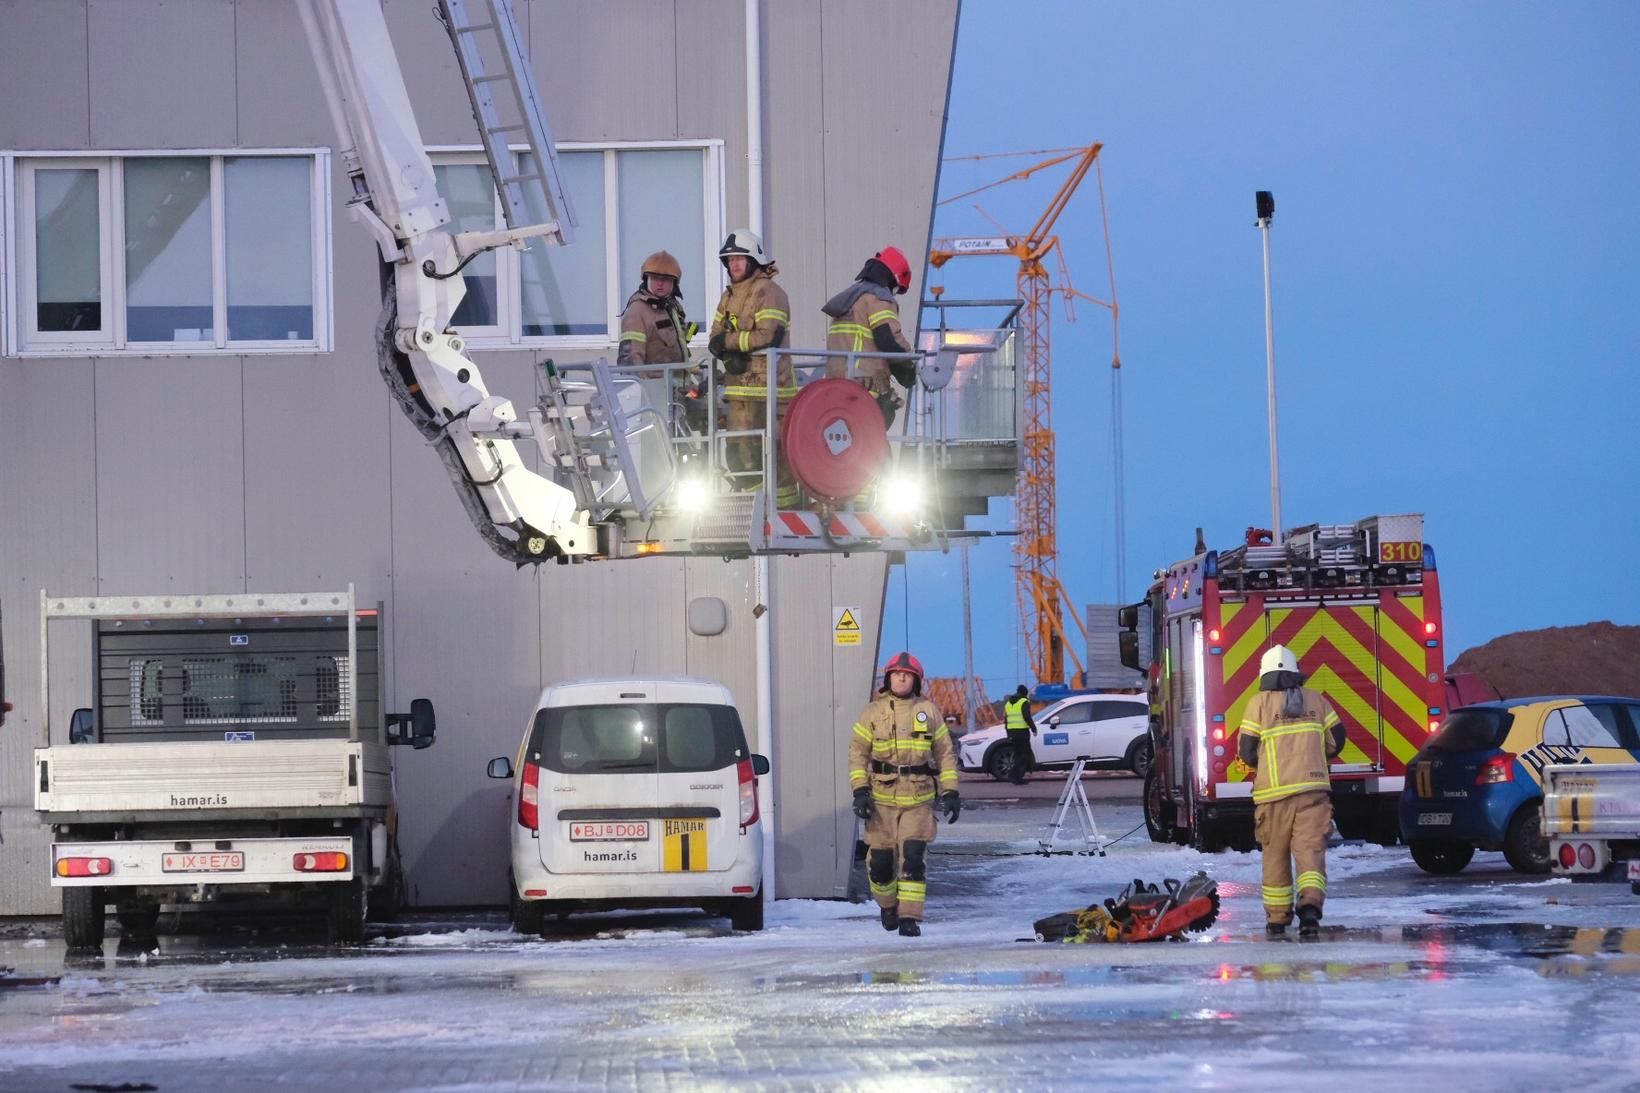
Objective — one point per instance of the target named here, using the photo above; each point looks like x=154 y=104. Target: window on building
x=166 y=253
x=629 y=201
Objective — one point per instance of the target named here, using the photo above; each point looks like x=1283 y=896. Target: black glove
x=715 y=345
x=904 y=373
x=951 y=805
x=862 y=802
x=889 y=403
x=736 y=364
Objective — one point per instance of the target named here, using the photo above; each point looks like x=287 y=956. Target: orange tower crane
x=1036 y=551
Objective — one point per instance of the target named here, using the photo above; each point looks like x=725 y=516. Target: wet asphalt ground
x=1484 y=980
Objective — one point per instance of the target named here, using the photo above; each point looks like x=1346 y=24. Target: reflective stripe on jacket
x=902 y=732
x=1289 y=752
x=652 y=332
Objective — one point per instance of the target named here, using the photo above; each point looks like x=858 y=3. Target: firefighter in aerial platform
x=752 y=316
x=902 y=766
x=866 y=315
x=1289 y=734
x=655 y=330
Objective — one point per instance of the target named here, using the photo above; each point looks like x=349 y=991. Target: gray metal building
x=189 y=398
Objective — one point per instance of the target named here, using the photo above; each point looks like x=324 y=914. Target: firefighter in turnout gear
x=1021 y=727
x=654 y=328
x=1289 y=734
x=752 y=316
x=901 y=765
x=866 y=315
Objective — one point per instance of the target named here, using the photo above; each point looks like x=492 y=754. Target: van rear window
x=1472 y=730
x=658 y=737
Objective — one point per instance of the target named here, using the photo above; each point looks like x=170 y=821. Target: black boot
x=909 y=928
x=1309 y=921
x=1275 y=929
x=891 y=918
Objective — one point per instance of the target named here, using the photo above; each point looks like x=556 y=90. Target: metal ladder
x=1073 y=796
x=487 y=46
x=583 y=432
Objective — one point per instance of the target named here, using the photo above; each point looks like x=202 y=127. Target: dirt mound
x=1595 y=658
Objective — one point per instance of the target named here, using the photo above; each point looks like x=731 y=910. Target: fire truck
x=1361 y=606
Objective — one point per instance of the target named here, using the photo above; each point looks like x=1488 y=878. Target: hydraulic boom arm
x=524 y=516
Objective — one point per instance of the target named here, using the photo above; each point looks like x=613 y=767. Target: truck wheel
x=1441 y=857
x=525 y=913
x=1140 y=753
x=345 y=912
x=83 y=918
x=139 y=924
x=1158 y=810
x=1525 y=844
x=747 y=914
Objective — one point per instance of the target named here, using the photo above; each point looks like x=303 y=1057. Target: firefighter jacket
x=753 y=315
x=1289 y=752
x=653 y=331
x=897 y=747
x=866 y=315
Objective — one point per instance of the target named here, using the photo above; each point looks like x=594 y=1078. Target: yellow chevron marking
x=1410 y=647
x=1249 y=645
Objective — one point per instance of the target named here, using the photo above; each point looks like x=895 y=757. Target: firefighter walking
x=1020 y=727
x=866 y=315
x=1288 y=735
x=902 y=766
x=752 y=316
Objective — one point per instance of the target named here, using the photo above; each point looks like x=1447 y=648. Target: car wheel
x=1441 y=857
x=525 y=913
x=1139 y=756
x=345 y=912
x=747 y=914
x=999 y=762
x=84 y=919
x=1525 y=844
x=1158 y=810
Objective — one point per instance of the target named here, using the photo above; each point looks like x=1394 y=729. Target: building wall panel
x=711 y=88
x=170 y=475
x=280 y=102
x=162 y=75
x=43 y=64
x=631 y=44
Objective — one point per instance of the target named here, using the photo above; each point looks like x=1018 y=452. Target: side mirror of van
x=82 y=727
x=500 y=767
x=421 y=722
x=760 y=764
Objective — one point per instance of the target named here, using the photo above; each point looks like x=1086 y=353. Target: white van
x=635 y=793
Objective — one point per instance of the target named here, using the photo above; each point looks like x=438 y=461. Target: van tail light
x=529 y=797
x=748 y=794
x=330 y=861
x=84 y=867
x=1585 y=855
x=1568 y=856
x=1499 y=768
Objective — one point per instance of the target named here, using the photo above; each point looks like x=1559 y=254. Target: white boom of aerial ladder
x=524 y=515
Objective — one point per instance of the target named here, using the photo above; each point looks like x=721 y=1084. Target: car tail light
x=1585 y=856
x=1499 y=768
x=84 y=867
x=1567 y=855
x=748 y=794
x=529 y=793
x=330 y=861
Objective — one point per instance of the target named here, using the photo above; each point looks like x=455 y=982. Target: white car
x=635 y=793
x=1112 y=730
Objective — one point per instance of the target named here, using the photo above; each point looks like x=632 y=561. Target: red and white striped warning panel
x=844 y=525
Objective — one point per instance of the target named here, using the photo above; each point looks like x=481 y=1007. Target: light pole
x=1266 y=203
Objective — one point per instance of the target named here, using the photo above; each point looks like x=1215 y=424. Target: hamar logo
x=213 y=800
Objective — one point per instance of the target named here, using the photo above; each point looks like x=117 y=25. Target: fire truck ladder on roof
x=508 y=111
x=1073 y=796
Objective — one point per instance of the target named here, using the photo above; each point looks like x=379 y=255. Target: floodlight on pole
x=1266 y=205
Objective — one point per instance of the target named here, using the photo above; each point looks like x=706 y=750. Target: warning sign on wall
x=845 y=626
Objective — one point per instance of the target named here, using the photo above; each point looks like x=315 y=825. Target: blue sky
x=1456 y=257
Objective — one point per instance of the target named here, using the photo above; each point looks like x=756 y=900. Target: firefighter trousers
x=1293 y=830
x=897 y=841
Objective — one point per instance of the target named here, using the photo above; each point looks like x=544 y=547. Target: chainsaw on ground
x=1143 y=912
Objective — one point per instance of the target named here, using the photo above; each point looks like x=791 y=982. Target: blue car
x=1478 y=782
